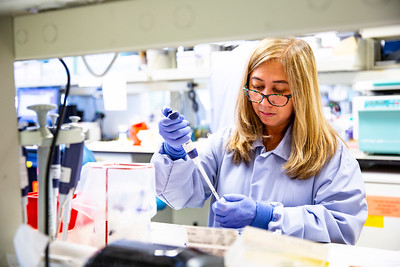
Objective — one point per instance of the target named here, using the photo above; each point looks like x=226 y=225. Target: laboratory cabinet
x=382 y=184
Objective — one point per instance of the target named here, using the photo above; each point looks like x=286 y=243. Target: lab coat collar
x=284 y=147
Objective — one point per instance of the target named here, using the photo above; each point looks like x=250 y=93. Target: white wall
x=143 y=24
x=10 y=209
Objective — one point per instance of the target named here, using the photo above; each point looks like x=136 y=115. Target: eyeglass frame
x=246 y=90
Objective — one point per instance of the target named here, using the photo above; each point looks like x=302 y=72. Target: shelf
x=361 y=79
x=388 y=31
x=118 y=147
x=136 y=77
x=180 y=74
x=353 y=77
x=52 y=81
x=367 y=161
x=359 y=155
x=377 y=85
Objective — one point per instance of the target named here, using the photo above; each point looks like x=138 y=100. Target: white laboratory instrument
x=376 y=123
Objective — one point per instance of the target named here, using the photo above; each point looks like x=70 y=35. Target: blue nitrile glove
x=237 y=211
x=175 y=131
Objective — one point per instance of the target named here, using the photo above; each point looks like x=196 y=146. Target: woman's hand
x=234 y=210
x=175 y=131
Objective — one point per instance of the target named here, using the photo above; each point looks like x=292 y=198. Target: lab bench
x=118 y=151
x=255 y=247
x=381 y=176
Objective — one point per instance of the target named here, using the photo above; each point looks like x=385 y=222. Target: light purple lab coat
x=330 y=207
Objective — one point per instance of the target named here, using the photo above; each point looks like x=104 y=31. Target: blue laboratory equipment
x=191 y=151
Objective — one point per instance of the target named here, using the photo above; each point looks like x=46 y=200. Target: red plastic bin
x=32 y=210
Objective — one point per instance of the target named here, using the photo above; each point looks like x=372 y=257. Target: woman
x=282 y=167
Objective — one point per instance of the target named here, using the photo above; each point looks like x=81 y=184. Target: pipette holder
x=42 y=137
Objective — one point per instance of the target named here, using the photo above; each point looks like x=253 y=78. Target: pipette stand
x=42 y=138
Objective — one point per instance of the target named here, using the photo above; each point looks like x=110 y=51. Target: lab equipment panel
x=379 y=125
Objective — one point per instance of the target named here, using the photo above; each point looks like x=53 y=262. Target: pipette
x=191 y=151
x=24 y=183
x=70 y=174
x=55 y=173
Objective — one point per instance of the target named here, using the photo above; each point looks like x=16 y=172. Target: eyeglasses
x=276 y=100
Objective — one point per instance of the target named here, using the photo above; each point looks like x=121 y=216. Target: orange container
x=134 y=129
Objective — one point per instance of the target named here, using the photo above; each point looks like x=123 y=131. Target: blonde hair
x=313 y=139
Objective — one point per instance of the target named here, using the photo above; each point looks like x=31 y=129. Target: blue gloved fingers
x=214 y=208
x=223 y=217
x=227 y=223
x=173 y=128
x=234 y=210
x=226 y=215
x=177 y=135
x=231 y=213
x=219 y=218
x=177 y=143
x=234 y=197
x=224 y=211
x=166 y=110
x=180 y=121
x=220 y=207
x=175 y=132
x=230 y=224
x=170 y=113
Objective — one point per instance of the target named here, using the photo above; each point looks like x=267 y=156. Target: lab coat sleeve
x=339 y=207
x=179 y=183
x=174 y=183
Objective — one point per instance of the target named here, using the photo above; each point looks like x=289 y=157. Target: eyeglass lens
x=273 y=99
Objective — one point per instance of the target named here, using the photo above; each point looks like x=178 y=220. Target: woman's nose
x=265 y=101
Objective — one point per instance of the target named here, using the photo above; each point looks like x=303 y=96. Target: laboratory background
x=129 y=59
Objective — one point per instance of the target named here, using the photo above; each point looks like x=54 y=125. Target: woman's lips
x=267 y=114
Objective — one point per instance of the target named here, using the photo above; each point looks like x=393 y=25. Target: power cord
x=192 y=96
x=105 y=71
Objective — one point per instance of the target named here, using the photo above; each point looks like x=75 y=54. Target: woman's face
x=270 y=78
